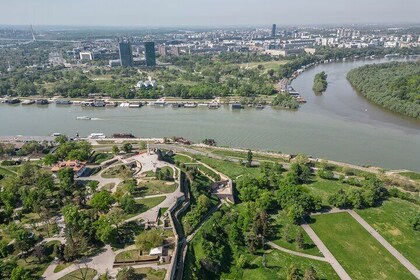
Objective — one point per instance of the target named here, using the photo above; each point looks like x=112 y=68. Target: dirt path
x=277 y=247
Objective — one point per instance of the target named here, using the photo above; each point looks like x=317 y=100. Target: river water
x=339 y=124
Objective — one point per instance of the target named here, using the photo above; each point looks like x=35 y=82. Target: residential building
x=162 y=50
x=176 y=50
x=86 y=56
x=149 y=52
x=126 y=54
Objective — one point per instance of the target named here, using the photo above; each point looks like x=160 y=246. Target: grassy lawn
x=266 y=64
x=98 y=158
x=6 y=172
x=145 y=204
x=230 y=169
x=148 y=273
x=61 y=266
x=277 y=262
x=82 y=273
x=181 y=159
x=116 y=171
x=134 y=255
x=244 y=155
x=357 y=251
x=277 y=265
x=411 y=175
x=150 y=187
x=324 y=188
x=108 y=186
x=151 y=274
x=278 y=222
x=391 y=220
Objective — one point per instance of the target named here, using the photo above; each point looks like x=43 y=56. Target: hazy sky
x=206 y=12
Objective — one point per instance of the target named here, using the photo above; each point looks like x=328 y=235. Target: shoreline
x=161 y=141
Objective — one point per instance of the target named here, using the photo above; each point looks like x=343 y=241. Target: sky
x=157 y=13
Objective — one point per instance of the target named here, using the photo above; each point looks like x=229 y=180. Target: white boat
x=96 y=136
x=134 y=105
x=190 y=105
x=83 y=118
x=125 y=104
x=160 y=102
x=27 y=102
x=214 y=105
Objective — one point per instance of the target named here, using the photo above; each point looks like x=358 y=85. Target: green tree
x=415 y=221
x=19 y=273
x=128 y=203
x=300 y=242
x=115 y=150
x=127 y=147
x=249 y=158
x=149 y=239
x=101 y=201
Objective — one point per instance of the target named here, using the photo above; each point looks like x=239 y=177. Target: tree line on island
x=394 y=86
x=320 y=82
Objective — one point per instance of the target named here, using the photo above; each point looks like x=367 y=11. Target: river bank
x=340 y=125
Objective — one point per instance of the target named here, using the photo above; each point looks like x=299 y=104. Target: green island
x=146 y=209
x=394 y=86
x=320 y=82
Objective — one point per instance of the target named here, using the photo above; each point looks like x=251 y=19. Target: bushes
x=368 y=196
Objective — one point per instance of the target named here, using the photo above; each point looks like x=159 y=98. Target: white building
x=86 y=56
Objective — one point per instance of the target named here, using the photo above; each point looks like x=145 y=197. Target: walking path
x=101 y=263
x=328 y=255
x=386 y=244
x=275 y=246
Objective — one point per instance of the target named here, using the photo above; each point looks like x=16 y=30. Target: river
x=339 y=124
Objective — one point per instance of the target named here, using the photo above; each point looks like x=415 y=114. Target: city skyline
x=209 y=13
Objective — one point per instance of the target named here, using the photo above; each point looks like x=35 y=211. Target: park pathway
x=328 y=255
x=386 y=244
x=277 y=247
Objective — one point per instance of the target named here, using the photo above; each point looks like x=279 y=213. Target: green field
x=83 y=273
x=243 y=155
x=148 y=273
x=151 y=201
x=133 y=255
x=411 y=175
x=150 y=187
x=324 y=188
x=357 y=251
x=277 y=264
x=116 y=171
x=391 y=220
x=230 y=169
x=266 y=64
x=6 y=172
